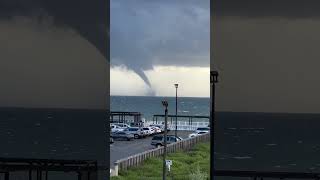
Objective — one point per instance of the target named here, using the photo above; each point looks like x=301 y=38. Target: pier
x=125 y=117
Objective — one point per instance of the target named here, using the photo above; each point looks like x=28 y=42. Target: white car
x=160 y=126
x=115 y=128
x=148 y=131
x=156 y=129
x=122 y=125
x=196 y=134
x=202 y=129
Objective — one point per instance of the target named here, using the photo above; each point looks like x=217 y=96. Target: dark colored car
x=122 y=135
x=158 y=140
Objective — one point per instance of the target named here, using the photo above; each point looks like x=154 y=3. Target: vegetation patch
x=191 y=165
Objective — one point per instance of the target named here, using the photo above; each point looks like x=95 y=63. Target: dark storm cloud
x=142 y=32
x=267 y=8
x=88 y=18
x=53 y=54
x=148 y=33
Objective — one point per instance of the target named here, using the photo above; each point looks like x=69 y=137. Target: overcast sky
x=267 y=52
x=155 y=44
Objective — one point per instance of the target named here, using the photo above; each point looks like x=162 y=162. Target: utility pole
x=165 y=104
x=176 y=133
x=213 y=80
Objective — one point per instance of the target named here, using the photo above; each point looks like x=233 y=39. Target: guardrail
x=255 y=175
x=184 y=125
x=137 y=159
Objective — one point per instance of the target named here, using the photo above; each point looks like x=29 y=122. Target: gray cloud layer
x=49 y=53
x=88 y=18
x=147 y=33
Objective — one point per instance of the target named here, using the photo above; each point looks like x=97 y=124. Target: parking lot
x=122 y=148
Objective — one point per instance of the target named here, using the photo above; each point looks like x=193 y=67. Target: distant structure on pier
x=132 y=118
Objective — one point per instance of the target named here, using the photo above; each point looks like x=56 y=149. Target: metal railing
x=184 y=125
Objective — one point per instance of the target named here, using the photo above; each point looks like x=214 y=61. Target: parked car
x=122 y=135
x=156 y=129
x=115 y=128
x=137 y=124
x=196 y=134
x=180 y=138
x=160 y=126
x=121 y=125
x=136 y=131
x=158 y=140
x=202 y=129
x=148 y=131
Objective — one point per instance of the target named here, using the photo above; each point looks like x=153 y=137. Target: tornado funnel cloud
x=143 y=76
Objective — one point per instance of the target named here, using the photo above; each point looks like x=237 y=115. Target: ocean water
x=246 y=140
x=149 y=106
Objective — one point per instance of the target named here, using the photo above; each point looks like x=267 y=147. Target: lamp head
x=165 y=103
x=214 y=76
x=176 y=85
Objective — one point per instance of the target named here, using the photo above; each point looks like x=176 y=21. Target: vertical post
x=6 y=175
x=116 y=169
x=79 y=175
x=176 y=85
x=30 y=174
x=213 y=80
x=165 y=103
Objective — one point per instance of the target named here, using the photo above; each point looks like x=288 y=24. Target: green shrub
x=198 y=175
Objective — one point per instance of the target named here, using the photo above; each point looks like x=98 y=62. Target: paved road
x=122 y=149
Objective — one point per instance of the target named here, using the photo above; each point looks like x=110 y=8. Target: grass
x=185 y=166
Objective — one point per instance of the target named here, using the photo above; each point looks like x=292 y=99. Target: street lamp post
x=165 y=104
x=213 y=80
x=176 y=85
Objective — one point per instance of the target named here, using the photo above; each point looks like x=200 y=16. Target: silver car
x=137 y=132
x=122 y=135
